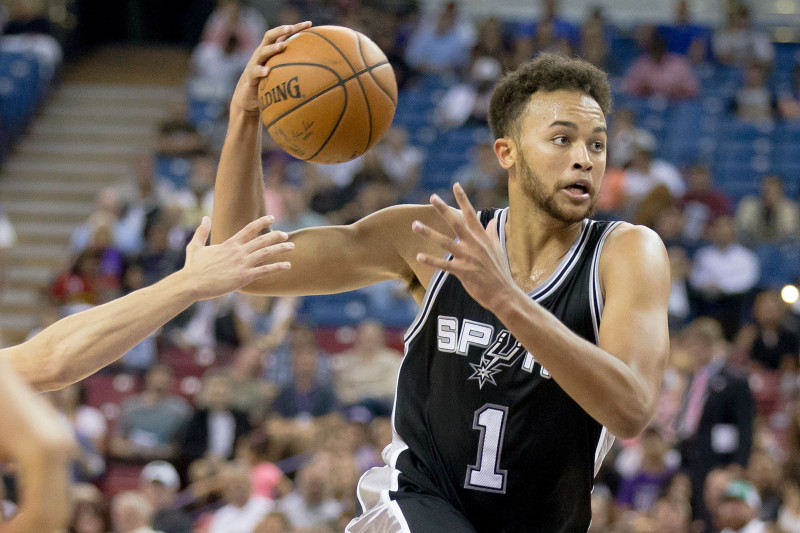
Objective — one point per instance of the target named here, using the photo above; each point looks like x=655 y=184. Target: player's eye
x=598 y=146
x=561 y=140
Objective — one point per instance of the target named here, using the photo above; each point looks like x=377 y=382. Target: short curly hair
x=547 y=72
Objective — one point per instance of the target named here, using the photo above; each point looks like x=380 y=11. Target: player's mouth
x=579 y=190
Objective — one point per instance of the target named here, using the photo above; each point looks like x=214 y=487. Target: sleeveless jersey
x=479 y=422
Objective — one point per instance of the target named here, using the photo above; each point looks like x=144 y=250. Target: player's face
x=561 y=154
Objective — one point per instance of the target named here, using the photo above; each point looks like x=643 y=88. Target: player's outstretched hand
x=246 y=94
x=478 y=258
x=221 y=268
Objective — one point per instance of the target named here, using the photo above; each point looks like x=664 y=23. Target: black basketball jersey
x=479 y=422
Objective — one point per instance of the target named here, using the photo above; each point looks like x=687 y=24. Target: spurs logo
x=503 y=353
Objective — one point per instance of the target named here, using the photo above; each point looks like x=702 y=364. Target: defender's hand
x=221 y=268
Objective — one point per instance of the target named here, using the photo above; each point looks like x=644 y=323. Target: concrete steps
x=84 y=139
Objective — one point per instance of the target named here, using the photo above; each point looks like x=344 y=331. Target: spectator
x=76 y=287
x=493 y=42
x=158 y=259
x=624 y=136
x=764 y=473
x=702 y=204
x=214 y=429
x=440 y=44
x=769 y=218
x=249 y=393
x=366 y=375
x=789 y=512
x=482 y=177
x=671 y=515
x=467 y=104
x=28 y=30
x=388 y=35
x=310 y=504
x=159 y=482
x=233 y=18
x=305 y=396
x=723 y=276
x=595 y=38
x=739 y=509
x=640 y=491
x=131 y=513
x=242 y=510
x=260 y=453
x=754 y=102
x=90 y=514
x=550 y=22
x=274 y=522
x=768 y=343
x=150 y=423
x=278 y=367
x=738 y=43
x=645 y=173
x=660 y=73
x=401 y=160
x=713 y=488
x=128 y=225
x=715 y=422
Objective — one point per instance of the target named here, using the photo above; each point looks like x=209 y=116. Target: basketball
x=329 y=96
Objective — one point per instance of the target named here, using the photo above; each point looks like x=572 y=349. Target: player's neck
x=536 y=243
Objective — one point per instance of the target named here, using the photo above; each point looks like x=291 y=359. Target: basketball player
x=541 y=333
x=80 y=344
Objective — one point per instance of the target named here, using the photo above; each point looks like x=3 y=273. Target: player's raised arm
x=81 y=344
x=239 y=190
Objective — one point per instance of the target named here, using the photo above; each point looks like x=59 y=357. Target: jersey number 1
x=484 y=475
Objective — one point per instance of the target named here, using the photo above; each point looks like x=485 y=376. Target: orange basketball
x=329 y=96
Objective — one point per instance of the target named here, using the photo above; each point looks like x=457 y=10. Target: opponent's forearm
x=33 y=435
x=81 y=344
x=603 y=385
x=239 y=189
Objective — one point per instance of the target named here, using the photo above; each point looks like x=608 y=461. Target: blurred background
x=112 y=116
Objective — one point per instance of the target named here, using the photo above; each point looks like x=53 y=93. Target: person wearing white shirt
x=724 y=272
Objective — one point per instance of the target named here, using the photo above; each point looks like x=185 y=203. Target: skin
x=34 y=436
x=81 y=344
x=561 y=141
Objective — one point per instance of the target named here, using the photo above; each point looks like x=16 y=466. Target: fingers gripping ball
x=329 y=96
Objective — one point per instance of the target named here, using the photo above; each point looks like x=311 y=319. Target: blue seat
x=779 y=264
x=173 y=170
x=343 y=309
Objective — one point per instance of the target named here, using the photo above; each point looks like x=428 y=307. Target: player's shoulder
x=630 y=243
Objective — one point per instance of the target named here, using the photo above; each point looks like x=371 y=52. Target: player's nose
x=581 y=159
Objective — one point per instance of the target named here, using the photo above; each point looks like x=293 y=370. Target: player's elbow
x=633 y=418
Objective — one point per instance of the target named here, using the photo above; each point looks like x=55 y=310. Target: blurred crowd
x=244 y=415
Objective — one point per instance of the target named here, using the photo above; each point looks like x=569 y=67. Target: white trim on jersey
x=596 y=302
x=596 y=305
x=563 y=269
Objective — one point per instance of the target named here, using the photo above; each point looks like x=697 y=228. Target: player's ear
x=506 y=151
